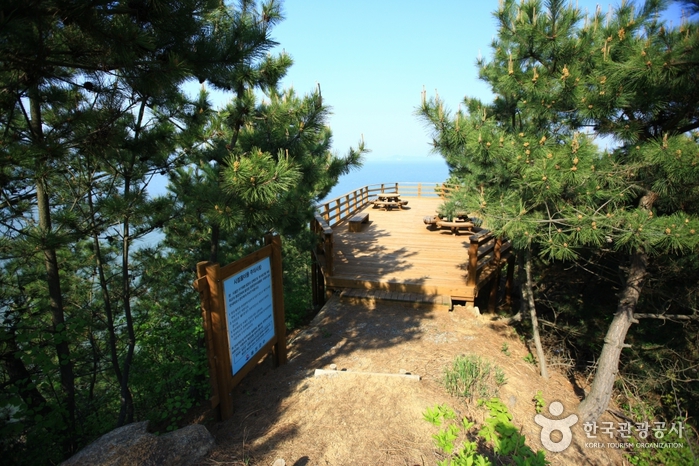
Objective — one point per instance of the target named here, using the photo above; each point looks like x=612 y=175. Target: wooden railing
x=342 y=207
x=486 y=256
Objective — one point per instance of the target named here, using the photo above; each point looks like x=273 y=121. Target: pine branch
x=671 y=317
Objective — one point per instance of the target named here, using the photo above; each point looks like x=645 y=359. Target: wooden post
x=314 y=279
x=495 y=286
x=328 y=250
x=472 y=262
x=510 y=279
x=279 y=350
x=202 y=287
x=218 y=325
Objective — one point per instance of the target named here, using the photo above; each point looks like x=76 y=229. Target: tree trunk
x=213 y=252
x=126 y=414
x=65 y=365
x=127 y=410
x=596 y=402
x=111 y=331
x=529 y=292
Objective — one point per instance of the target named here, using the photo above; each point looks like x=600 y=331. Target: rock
x=133 y=445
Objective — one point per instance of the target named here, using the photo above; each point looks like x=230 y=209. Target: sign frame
x=210 y=284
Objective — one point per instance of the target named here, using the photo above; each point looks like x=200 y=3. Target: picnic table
x=388 y=197
x=457 y=223
x=388 y=201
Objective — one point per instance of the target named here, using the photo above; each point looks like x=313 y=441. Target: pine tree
x=529 y=163
x=261 y=167
x=90 y=111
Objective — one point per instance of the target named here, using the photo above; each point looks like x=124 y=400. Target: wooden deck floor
x=396 y=252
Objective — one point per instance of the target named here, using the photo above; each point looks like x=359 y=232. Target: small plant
x=459 y=444
x=446 y=437
x=505 y=437
x=470 y=376
x=539 y=402
x=505 y=349
x=436 y=414
x=530 y=359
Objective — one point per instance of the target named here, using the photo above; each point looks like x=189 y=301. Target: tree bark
x=111 y=331
x=213 y=252
x=596 y=402
x=529 y=290
x=126 y=414
x=53 y=280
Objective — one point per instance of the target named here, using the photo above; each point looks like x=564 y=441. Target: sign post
x=243 y=313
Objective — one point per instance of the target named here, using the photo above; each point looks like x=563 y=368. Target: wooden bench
x=355 y=223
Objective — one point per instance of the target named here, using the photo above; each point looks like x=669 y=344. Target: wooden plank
x=398 y=252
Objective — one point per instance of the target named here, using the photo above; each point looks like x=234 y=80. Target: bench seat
x=355 y=223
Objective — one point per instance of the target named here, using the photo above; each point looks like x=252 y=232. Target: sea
x=428 y=169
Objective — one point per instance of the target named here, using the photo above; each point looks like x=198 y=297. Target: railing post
x=495 y=286
x=471 y=277
x=328 y=250
x=510 y=279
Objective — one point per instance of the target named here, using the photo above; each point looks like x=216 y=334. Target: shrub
x=472 y=377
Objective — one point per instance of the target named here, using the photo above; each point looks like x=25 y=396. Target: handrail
x=343 y=207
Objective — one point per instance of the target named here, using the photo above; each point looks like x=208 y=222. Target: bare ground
x=358 y=419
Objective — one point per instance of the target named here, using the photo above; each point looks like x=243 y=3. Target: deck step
x=383 y=295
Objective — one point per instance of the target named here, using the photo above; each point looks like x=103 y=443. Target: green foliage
x=439 y=413
x=683 y=451
x=528 y=165
x=471 y=377
x=505 y=437
x=497 y=442
x=446 y=437
x=505 y=349
x=539 y=401
x=530 y=358
x=99 y=328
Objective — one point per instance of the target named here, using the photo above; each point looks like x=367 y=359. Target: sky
x=373 y=57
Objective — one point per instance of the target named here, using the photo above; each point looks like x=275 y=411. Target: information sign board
x=242 y=307
x=249 y=311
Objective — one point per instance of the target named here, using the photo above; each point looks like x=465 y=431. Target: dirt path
x=358 y=419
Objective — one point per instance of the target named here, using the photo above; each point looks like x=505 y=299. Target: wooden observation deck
x=395 y=253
